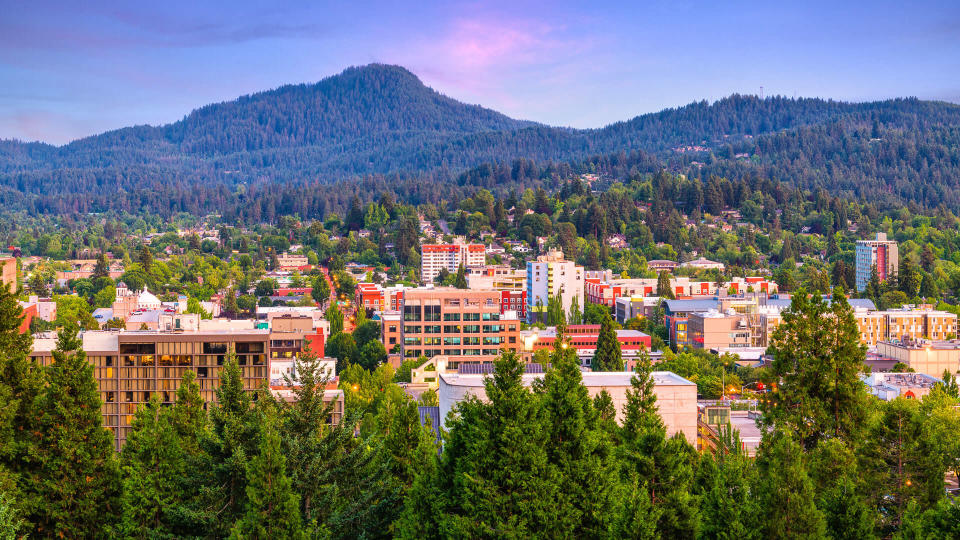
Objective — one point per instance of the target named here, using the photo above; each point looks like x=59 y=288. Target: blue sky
x=70 y=69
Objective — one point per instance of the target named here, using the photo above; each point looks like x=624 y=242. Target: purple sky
x=70 y=69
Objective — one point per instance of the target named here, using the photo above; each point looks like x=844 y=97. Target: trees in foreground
x=541 y=460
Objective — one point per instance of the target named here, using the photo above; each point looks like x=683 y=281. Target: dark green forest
x=308 y=149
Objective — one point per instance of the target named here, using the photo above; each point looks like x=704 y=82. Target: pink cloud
x=473 y=43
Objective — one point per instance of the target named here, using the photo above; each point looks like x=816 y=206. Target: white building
x=435 y=257
x=880 y=253
x=703 y=264
x=676 y=396
x=551 y=275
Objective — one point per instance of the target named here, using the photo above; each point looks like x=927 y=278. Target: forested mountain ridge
x=381 y=122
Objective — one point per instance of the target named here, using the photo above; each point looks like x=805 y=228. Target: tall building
x=435 y=257
x=464 y=325
x=880 y=253
x=551 y=275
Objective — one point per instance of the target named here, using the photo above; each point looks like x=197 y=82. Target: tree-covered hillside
x=381 y=123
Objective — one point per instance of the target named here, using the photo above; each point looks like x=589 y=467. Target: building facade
x=436 y=257
x=880 y=253
x=8 y=272
x=131 y=367
x=550 y=276
x=464 y=325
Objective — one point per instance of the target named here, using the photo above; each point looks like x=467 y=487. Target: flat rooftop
x=590 y=378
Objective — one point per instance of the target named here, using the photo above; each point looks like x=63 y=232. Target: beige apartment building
x=465 y=325
x=905 y=324
x=929 y=357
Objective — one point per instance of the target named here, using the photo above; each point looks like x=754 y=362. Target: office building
x=132 y=367
x=550 y=276
x=878 y=253
x=465 y=325
x=436 y=257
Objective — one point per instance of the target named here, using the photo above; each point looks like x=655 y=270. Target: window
x=452 y=329
x=411 y=329
x=451 y=316
x=431 y=313
x=412 y=313
x=451 y=341
x=214 y=348
x=431 y=329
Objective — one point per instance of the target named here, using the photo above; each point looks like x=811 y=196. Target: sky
x=71 y=69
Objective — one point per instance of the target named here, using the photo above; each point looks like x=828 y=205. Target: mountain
x=382 y=122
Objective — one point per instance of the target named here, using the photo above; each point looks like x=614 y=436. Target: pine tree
x=78 y=477
x=608 y=356
x=461 y=280
x=153 y=466
x=785 y=492
x=231 y=444
x=579 y=447
x=102 y=269
x=648 y=460
x=664 y=290
x=272 y=507
x=727 y=507
x=818 y=359
x=21 y=383
x=495 y=478
x=840 y=489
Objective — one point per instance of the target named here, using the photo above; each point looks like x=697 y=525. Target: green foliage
x=272 y=507
x=818 y=358
x=77 y=476
x=335 y=317
x=785 y=492
x=608 y=356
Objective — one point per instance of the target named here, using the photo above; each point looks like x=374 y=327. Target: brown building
x=8 y=272
x=465 y=325
x=131 y=367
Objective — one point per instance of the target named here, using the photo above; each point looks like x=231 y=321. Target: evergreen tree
x=901 y=465
x=231 y=444
x=608 y=356
x=153 y=466
x=495 y=478
x=785 y=494
x=840 y=489
x=664 y=290
x=728 y=510
x=817 y=358
x=580 y=449
x=102 y=268
x=21 y=384
x=661 y=467
x=272 y=508
x=461 y=280
x=77 y=477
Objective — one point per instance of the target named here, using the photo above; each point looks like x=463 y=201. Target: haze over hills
x=382 y=120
